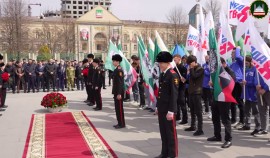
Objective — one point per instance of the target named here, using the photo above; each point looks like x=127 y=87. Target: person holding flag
x=167 y=105
x=250 y=84
x=182 y=74
x=91 y=91
x=118 y=91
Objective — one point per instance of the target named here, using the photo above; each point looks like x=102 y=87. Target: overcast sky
x=151 y=10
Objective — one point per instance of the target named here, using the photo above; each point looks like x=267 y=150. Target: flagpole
x=259 y=84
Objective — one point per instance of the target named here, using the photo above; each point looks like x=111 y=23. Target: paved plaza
x=140 y=139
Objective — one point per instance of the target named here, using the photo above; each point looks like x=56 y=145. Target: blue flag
x=178 y=50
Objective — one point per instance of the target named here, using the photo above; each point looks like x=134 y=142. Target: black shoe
x=86 y=101
x=118 y=127
x=90 y=104
x=183 y=122
x=198 y=133
x=227 y=144
x=244 y=128
x=2 y=109
x=115 y=125
x=5 y=106
x=254 y=132
x=261 y=133
x=97 y=109
x=190 y=129
x=214 y=139
x=0 y=114
x=161 y=156
x=104 y=88
x=151 y=110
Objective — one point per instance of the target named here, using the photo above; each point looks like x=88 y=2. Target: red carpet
x=67 y=135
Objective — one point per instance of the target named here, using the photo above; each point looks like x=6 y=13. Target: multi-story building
x=77 y=8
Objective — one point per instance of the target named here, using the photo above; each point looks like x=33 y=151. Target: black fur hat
x=117 y=57
x=91 y=56
x=165 y=57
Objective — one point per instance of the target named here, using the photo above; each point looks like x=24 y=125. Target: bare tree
x=177 y=17
x=215 y=7
x=68 y=35
x=13 y=26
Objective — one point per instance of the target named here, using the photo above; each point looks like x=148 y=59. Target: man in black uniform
x=50 y=70
x=3 y=88
x=118 y=91
x=103 y=72
x=91 y=91
x=97 y=84
x=182 y=74
x=31 y=75
x=222 y=110
x=167 y=106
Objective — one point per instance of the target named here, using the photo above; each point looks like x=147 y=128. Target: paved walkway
x=140 y=139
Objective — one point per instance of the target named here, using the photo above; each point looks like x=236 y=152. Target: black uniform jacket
x=97 y=81
x=118 y=81
x=168 y=92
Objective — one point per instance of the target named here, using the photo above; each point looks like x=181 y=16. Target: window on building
x=99 y=47
x=68 y=7
x=91 y=7
x=74 y=12
x=135 y=47
x=91 y=3
x=80 y=2
x=74 y=7
x=80 y=7
x=126 y=38
x=74 y=2
x=125 y=47
x=96 y=3
x=107 y=8
x=85 y=7
x=101 y=3
x=85 y=2
x=80 y=12
x=74 y=16
x=68 y=2
x=84 y=46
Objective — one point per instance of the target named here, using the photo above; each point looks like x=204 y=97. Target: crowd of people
x=183 y=89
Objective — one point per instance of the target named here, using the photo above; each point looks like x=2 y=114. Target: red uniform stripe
x=175 y=137
x=120 y=107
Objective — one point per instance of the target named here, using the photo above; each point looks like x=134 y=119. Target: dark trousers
x=207 y=98
x=141 y=93
x=12 y=83
x=196 y=110
x=80 y=83
x=119 y=111
x=91 y=94
x=40 y=83
x=98 y=98
x=87 y=87
x=186 y=97
x=181 y=106
x=61 y=82
x=21 y=81
x=3 y=94
x=103 y=81
x=168 y=136
x=49 y=79
x=237 y=91
x=31 y=83
x=221 y=110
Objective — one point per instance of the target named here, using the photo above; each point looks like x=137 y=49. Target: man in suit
x=167 y=106
x=31 y=75
x=50 y=70
x=118 y=91
x=10 y=69
x=61 y=75
x=40 y=76
x=97 y=84
x=79 y=77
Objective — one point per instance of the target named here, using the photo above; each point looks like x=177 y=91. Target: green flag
x=151 y=51
x=185 y=50
x=159 y=45
x=215 y=63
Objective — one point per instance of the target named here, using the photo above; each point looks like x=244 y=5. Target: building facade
x=70 y=38
x=77 y=8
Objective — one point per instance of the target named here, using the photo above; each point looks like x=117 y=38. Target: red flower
x=53 y=100
x=5 y=77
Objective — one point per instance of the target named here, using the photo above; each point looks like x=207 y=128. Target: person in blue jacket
x=264 y=93
x=237 y=66
x=250 y=84
x=207 y=94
